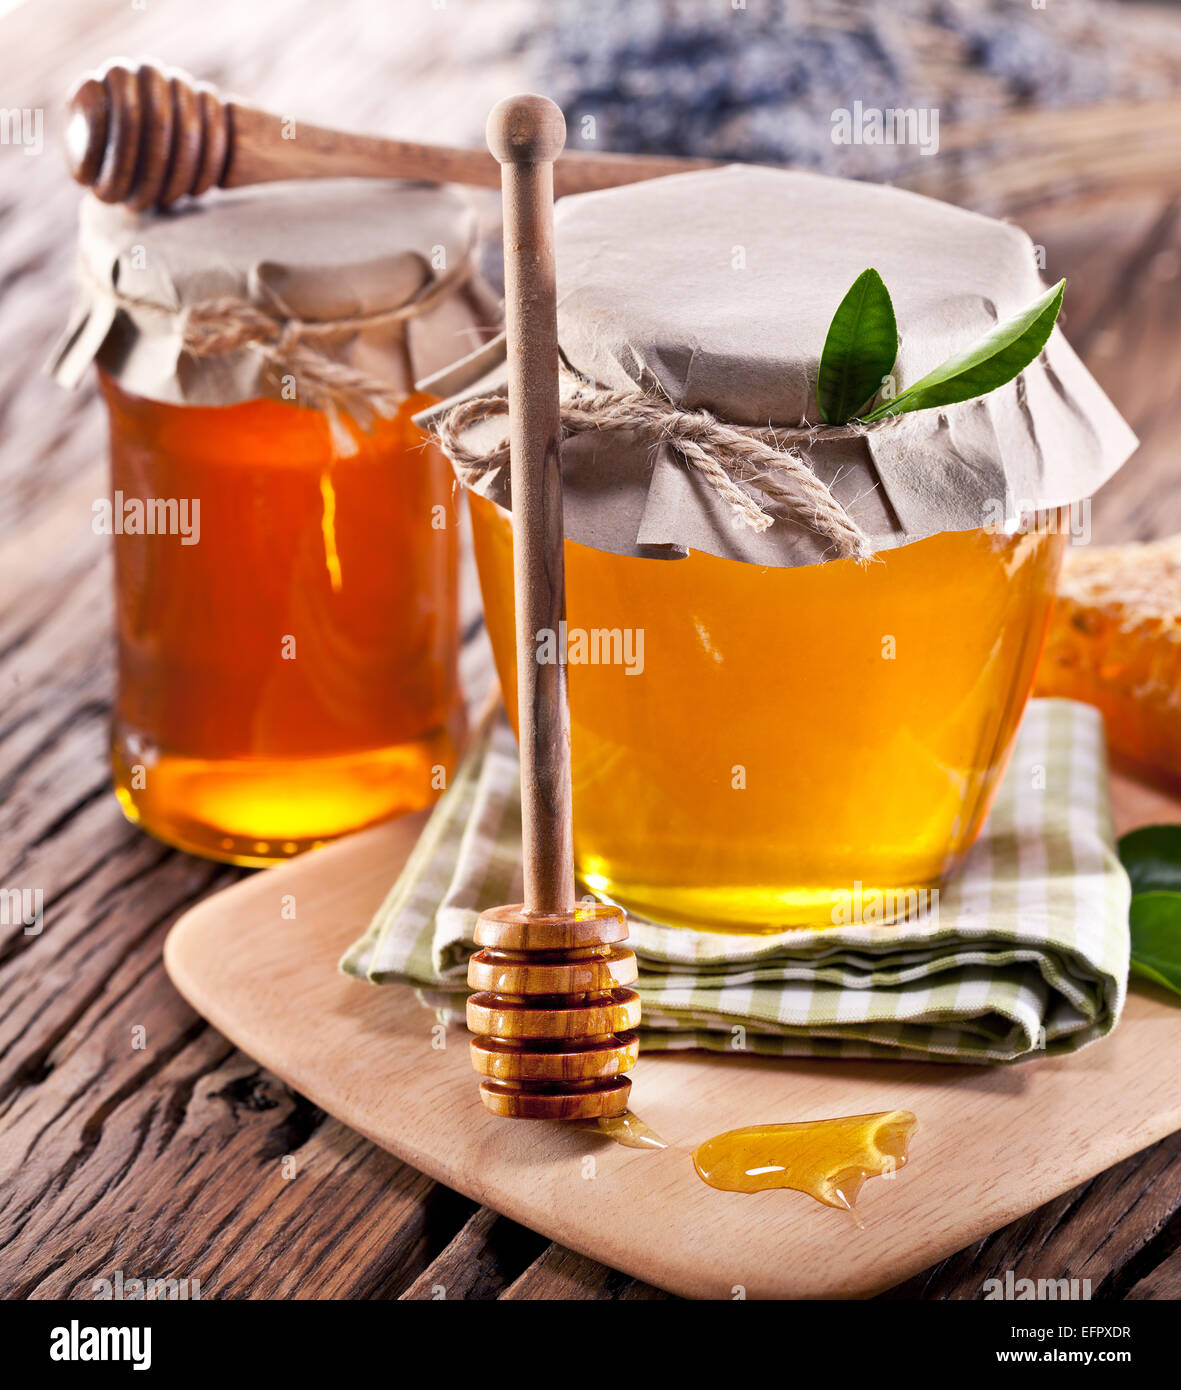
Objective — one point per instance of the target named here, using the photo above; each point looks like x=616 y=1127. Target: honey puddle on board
x=828 y=1159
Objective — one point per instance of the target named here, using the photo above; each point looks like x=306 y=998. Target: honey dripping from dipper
x=626 y=1129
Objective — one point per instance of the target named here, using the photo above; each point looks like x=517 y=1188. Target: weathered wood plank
x=563 y=1274
x=487 y=1255
x=169 y=1159
x=184 y=1160
x=1164 y=1281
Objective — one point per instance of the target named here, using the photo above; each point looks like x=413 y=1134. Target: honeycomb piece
x=1115 y=642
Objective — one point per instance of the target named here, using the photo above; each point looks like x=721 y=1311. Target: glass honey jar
x=766 y=734
x=876 y=709
x=285 y=537
x=293 y=675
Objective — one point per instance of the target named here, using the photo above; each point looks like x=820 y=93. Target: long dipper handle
x=526 y=135
x=553 y=1014
x=143 y=136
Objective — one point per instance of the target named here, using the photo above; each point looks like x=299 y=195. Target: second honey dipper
x=552 y=1013
x=147 y=136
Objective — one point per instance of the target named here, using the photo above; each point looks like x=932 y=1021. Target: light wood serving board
x=992 y=1142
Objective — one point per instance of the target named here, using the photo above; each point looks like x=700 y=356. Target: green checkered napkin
x=1028 y=949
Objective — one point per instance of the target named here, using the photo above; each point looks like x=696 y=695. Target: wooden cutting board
x=992 y=1143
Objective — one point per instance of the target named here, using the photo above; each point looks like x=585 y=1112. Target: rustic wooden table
x=162 y=1159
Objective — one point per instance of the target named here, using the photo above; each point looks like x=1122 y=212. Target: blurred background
x=1064 y=114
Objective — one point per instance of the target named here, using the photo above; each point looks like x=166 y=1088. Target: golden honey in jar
x=792 y=731
x=765 y=734
x=292 y=674
x=285 y=537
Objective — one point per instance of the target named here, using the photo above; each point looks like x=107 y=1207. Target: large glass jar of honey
x=763 y=733
x=286 y=548
x=791 y=732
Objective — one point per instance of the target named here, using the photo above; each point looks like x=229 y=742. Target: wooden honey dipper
x=144 y=136
x=552 y=1014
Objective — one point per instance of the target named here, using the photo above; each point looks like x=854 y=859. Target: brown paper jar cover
x=314 y=253
x=716 y=290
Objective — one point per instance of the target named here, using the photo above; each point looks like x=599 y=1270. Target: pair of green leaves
x=862 y=347
x=1152 y=857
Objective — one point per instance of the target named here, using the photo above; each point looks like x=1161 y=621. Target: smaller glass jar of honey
x=768 y=731
x=285 y=537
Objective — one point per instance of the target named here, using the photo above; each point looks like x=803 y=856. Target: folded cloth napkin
x=1025 y=950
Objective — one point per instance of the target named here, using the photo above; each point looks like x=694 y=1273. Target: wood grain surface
x=992 y=1142
x=163 y=1160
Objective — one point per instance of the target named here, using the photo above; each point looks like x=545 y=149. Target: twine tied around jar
x=299 y=347
x=725 y=455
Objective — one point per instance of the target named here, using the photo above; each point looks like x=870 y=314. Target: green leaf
x=859 y=351
x=991 y=361
x=1156 y=938
x=1152 y=857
